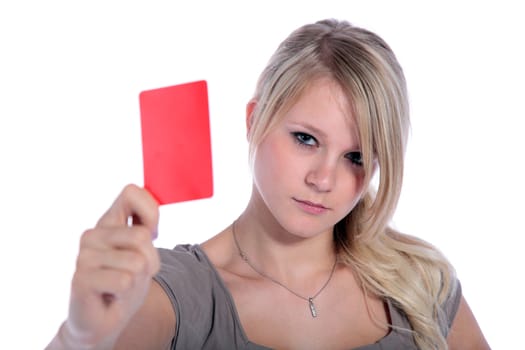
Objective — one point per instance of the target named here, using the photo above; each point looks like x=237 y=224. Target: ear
x=249 y=113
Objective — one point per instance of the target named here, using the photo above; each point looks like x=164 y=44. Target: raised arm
x=114 y=302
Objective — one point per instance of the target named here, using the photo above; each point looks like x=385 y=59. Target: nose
x=322 y=176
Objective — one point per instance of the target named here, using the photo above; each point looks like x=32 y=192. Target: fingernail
x=154 y=235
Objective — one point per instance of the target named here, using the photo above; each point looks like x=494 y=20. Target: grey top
x=207 y=317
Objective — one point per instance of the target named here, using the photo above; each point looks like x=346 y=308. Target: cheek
x=354 y=188
x=360 y=183
x=269 y=163
x=273 y=156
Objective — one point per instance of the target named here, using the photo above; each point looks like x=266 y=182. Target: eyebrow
x=311 y=128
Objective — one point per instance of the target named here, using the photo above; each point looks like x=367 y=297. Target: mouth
x=311 y=207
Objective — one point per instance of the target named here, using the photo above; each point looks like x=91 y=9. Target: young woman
x=311 y=263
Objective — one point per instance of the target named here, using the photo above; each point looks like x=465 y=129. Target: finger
x=106 y=281
x=116 y=259
x=135 y=241
x=134 y=202
x=116 y=238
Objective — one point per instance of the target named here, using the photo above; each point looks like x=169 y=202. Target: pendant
x=312 y=307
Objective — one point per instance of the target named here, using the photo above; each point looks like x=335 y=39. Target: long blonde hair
x=408 y=271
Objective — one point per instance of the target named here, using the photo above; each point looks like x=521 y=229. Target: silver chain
x=309 y=300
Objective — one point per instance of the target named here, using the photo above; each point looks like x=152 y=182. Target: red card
x=176 y=142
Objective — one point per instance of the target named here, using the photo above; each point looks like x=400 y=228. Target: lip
x=310 y=207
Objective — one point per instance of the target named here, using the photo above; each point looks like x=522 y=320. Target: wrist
x=66 y=340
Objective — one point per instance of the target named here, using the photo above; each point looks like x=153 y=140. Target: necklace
x=310 y=300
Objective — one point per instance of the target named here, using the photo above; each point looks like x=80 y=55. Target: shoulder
x=182 y=258
x=450 y=306
x=204 y=311
x=185 y=274
x=425 y=265
x=187 y=279
x=465 y=332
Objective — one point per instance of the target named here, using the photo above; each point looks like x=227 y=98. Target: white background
x=70 y=75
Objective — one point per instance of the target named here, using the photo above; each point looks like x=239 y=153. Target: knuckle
x=129 y=191
x=141 y=235
x=137 y=263
x=82 y=259
x=130 y=187
x=124 y=281
x=77 y=280
x=86 y=236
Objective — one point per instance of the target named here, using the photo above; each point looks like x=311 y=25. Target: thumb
x=134 y=202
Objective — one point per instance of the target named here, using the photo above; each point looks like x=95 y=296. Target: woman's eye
x=305 y=139
x=355 y=158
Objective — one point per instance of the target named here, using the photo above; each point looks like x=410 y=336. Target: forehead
x=324 y=106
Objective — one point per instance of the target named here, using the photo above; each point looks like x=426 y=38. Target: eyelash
x=355 y=157
x=303 y=139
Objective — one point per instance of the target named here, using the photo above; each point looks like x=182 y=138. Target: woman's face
x=307 y=170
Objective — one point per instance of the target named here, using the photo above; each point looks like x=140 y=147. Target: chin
x=306 y=228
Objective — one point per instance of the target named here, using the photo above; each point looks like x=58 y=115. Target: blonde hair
x=408 y=271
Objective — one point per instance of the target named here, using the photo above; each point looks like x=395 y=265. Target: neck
x=281 y=254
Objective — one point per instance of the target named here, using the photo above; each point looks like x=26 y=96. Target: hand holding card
x=176 y=142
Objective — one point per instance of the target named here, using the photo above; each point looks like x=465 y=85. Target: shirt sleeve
x=188 y=286
x=205 y=313
x=451 y=306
